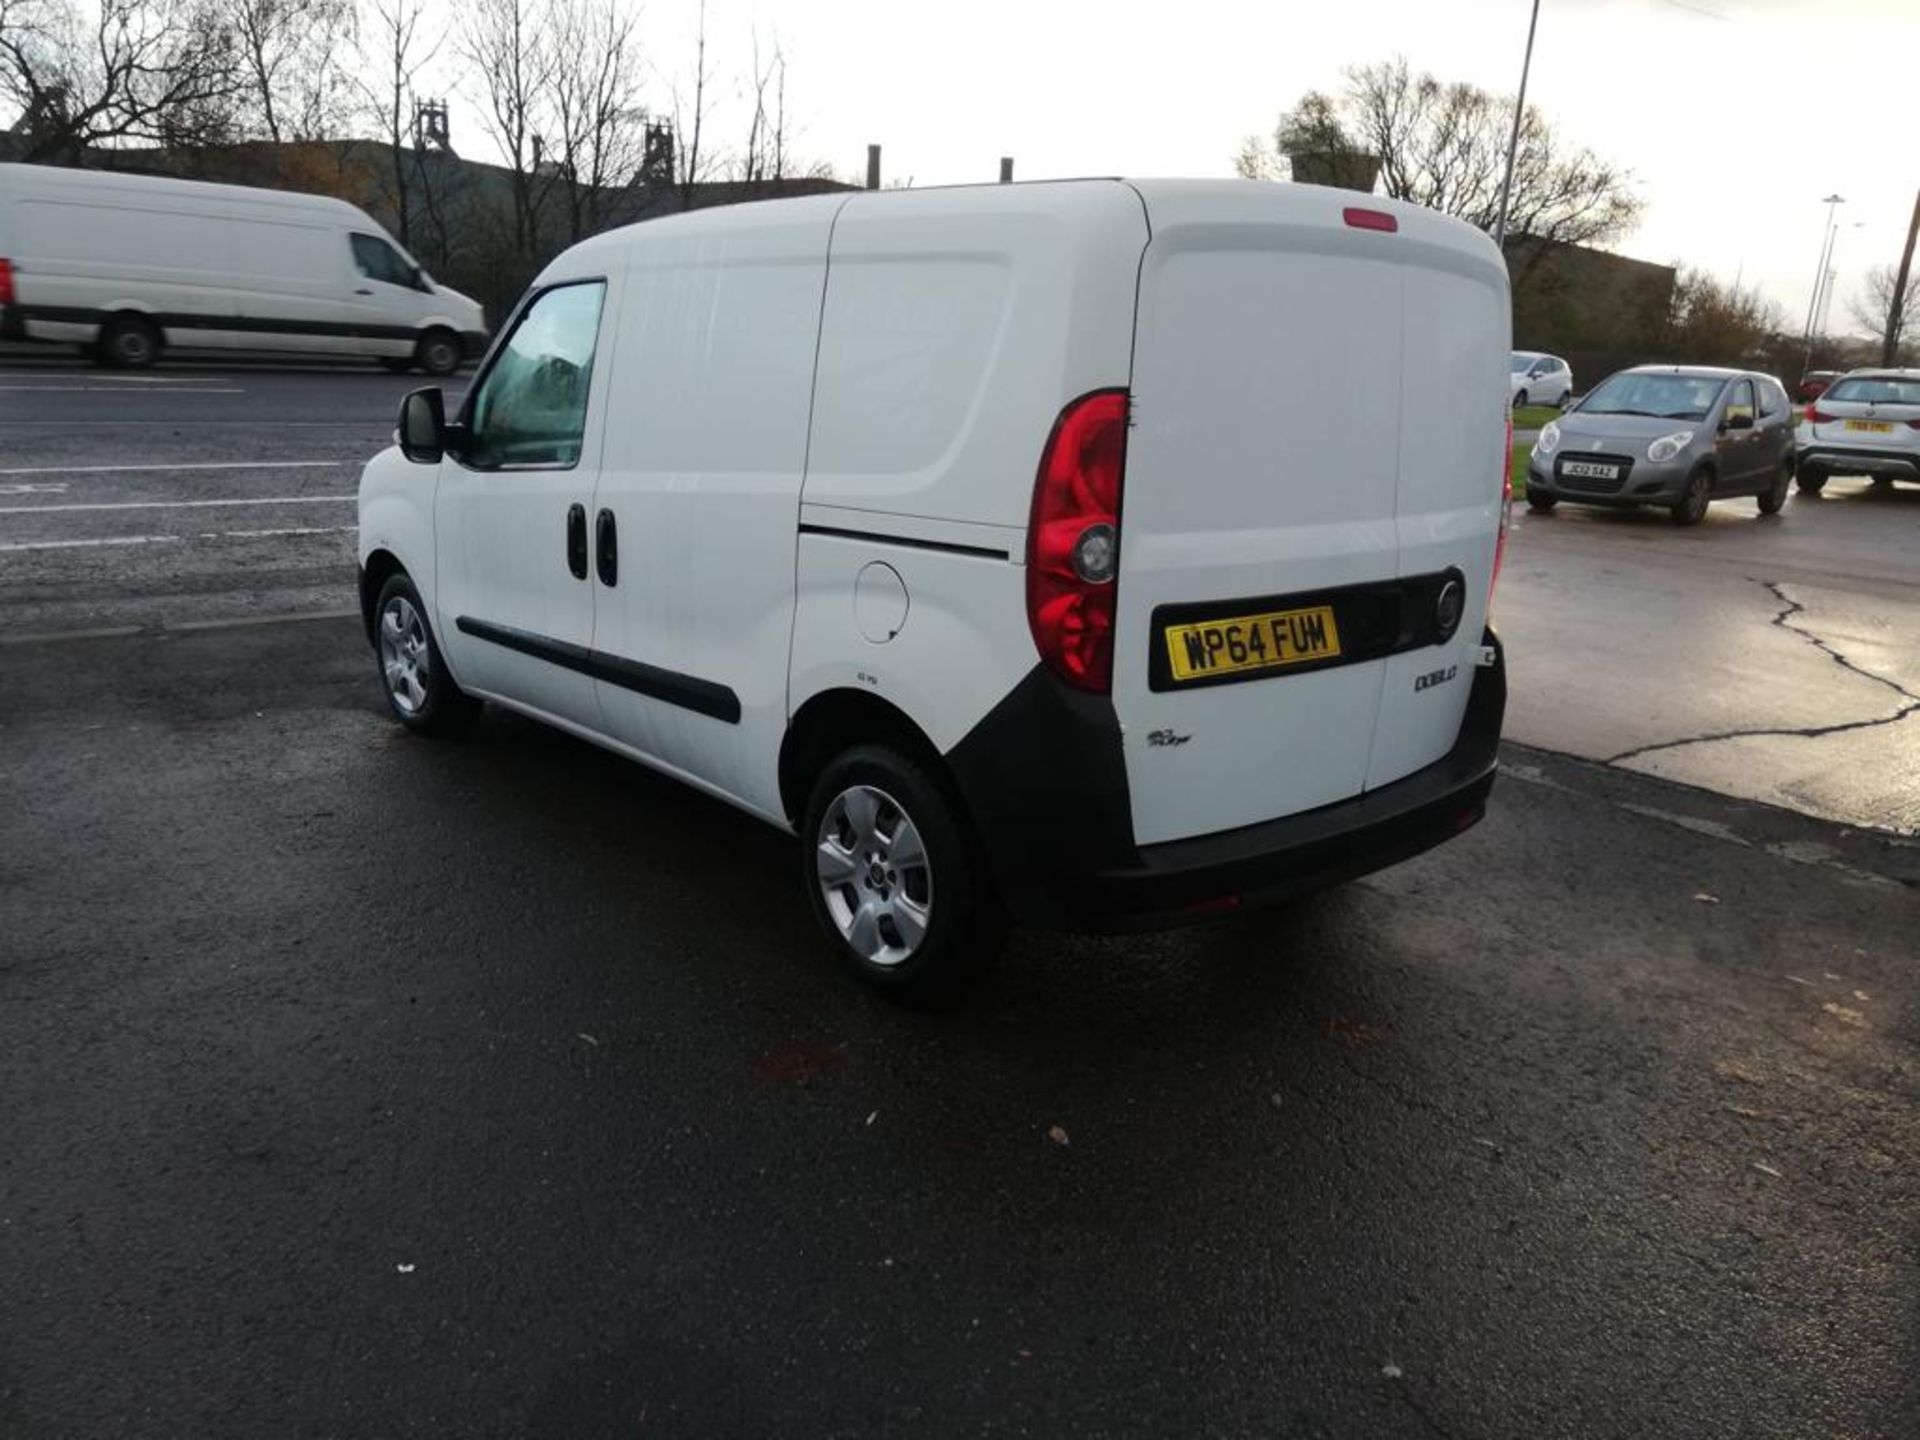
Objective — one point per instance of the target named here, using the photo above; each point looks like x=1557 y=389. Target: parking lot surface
x=362 y=1084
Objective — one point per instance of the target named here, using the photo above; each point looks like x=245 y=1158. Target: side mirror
x=423 y=426
x=1741 y=420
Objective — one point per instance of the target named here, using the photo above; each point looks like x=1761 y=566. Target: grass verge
x=1521 y=454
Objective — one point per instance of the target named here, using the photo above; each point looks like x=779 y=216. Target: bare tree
x=399 y=51
x=513 y=47
x=1444 y=146
x=600 y=127
x=1715 y=324
x=689 y=121
x=1872 y=307
x=291 y=58
x=154 y=70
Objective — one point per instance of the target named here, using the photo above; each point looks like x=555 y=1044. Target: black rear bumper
x=1045 y=780
x=1859 y=460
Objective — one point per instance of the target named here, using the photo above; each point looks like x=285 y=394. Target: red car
x=1814 y=384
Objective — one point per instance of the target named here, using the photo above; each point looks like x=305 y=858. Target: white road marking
x=57 y=489
x=177 y=504
x=118 y=390
x=92 y=544
x=176 y=539
x=202 y=465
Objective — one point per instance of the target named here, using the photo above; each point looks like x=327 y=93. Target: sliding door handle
x=577 y=541
x=606 y=537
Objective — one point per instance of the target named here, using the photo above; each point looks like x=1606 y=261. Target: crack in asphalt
x=1783 y=620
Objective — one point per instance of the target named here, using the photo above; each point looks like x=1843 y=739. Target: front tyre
x=438 y=352
x=892 y=878
x=413 y=676
x=1541 y=504
x=1691 y=507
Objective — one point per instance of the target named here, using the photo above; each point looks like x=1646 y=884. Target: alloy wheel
x=871 y=865
x=404 y=658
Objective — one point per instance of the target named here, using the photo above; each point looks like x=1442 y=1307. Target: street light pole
x=1513 y=139
x=1820 y=279
x=1890 y=344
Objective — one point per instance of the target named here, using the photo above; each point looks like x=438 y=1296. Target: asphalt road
x=1773 y=658
x=357 y=1084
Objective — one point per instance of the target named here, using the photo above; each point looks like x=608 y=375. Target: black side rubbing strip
x=245 y=324
x=689 y=692
x=984 y=552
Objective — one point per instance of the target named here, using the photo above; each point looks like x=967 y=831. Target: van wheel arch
x=834 y=721
x=381 y=566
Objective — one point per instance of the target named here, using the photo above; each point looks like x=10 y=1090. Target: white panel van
x=128 y=265
x=1001 y=542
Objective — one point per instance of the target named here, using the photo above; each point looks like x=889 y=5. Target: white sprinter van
x=1002 y=542
x=128 y=265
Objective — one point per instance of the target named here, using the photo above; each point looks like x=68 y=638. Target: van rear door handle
x=577 y=541
x=606 y=548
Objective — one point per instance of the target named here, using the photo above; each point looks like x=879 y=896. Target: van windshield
x=1666 y=397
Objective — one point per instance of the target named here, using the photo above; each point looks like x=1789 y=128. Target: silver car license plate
x=1592 y=469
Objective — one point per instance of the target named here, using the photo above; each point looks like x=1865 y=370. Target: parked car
x=1867 y=423
x=1536 y=379
x=127 y=266
x=844 y=545
x=1670 y=435
x=1814 y=384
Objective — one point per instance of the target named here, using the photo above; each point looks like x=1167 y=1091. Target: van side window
x=530 y=408
x=377 y=260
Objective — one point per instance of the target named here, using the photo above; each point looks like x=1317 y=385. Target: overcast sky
x=1736 y=116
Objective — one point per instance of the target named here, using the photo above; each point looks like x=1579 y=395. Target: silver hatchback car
x=1676 y=436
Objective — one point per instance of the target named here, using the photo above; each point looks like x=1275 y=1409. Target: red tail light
x=1506 y=511
x=1817 y=416
x=1073 y=540
x=6 y=282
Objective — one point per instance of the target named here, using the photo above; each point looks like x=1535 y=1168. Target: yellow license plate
x=1872 y=427
x=1252 y=642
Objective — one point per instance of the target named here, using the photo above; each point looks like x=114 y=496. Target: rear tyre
x=1772 y=499
x=1691 y=507
x=1811 y=480
x=438 y=352
x=1542 y=503
x=128 y=342
x=893 y=880
x=415 y=679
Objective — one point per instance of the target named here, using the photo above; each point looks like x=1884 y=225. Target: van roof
x=54 y=179
x=1168 y=202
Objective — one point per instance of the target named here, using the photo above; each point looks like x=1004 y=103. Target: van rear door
x=1315 y=425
